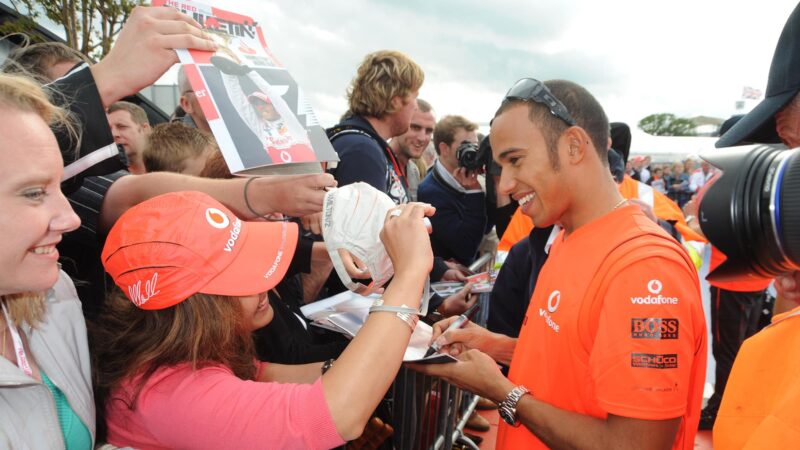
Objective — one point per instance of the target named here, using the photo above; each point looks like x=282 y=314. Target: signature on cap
x=135 y=291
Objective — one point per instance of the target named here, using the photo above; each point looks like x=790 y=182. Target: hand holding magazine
x=260 y=118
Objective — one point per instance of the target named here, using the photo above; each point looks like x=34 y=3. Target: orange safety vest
x=663 y=207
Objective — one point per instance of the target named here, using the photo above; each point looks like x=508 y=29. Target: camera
x=472 y=156
x=750 y=211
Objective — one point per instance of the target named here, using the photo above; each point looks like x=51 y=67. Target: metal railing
x=429 y=413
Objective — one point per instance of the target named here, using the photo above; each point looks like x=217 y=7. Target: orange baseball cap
x=168 y=248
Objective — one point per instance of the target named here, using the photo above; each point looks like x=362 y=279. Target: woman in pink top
x=175 y=364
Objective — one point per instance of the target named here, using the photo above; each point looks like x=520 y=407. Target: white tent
x=663 y=149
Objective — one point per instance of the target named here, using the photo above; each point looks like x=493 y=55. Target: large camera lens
x=751 y=211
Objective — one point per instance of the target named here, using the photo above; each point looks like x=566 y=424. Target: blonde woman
x=45 y=388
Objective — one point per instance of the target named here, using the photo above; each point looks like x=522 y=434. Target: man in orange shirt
x=759 y=409
x=612 y=351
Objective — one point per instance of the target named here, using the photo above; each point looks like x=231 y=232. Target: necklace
x=621 y=202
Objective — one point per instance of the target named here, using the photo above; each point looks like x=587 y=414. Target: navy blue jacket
x=363 y=157
x=460 y=220
x=515 y=283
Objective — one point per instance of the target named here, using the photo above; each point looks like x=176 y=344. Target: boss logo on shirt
x=654 y=328
x=654 y=360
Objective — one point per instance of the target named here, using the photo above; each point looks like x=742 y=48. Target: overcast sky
x=638 y=57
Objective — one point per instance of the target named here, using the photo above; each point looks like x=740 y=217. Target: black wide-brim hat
x=758 y=126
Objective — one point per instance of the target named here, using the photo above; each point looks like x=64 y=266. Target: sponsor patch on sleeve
x=654 y=360
x=654 y=328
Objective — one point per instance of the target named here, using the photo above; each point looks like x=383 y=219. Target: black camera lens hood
x=750 y=213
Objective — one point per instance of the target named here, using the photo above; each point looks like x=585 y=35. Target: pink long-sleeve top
x=212 y=408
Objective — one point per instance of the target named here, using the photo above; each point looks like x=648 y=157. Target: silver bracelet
x=398 y=309
x=408 y=315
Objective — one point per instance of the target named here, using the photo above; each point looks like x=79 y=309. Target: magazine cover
x=259 y=116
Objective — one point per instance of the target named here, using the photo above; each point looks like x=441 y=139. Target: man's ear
x=397 y=102
x=184 y=102
x=577 y=143
x=443 y=148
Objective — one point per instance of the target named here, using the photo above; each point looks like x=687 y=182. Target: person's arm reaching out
x=145 y=50
x=293 y=195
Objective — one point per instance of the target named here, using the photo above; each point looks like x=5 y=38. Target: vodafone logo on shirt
x=654 y=287
x=553 y=301
x=552 y=305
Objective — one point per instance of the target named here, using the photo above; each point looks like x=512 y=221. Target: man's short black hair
x=582 y=106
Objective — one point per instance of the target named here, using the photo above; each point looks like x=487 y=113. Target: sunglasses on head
x=528 y=89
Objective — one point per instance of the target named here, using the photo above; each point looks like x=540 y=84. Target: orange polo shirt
x=760 y=408
x=615 y=326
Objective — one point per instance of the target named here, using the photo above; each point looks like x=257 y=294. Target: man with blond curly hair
x=382 y=99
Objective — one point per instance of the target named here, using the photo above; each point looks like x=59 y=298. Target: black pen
x=458 y=323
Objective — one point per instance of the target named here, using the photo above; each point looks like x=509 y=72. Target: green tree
x=666 y=124
x=90 y=26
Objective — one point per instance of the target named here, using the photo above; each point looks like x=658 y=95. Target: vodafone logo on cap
x=217 y=218
x=553 y=301
x=655 y=287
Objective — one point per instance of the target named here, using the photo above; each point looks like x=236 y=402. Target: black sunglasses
x=528 y=89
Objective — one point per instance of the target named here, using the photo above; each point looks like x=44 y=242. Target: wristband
x=246 y=201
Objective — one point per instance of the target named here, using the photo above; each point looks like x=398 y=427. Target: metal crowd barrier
x=429 y=413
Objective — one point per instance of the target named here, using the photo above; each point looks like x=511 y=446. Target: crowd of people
x=679 y=181
x=152 y=300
